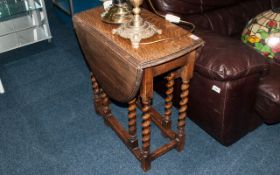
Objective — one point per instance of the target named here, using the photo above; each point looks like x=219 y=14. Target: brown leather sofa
x=234 y=88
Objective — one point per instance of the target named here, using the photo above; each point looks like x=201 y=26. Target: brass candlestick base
x=137 y=29
x=117 y=14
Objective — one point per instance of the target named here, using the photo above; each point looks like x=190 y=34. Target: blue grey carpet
x=48 y=125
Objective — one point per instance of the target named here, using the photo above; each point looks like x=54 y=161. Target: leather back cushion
x=192 y=6
x=227 y=17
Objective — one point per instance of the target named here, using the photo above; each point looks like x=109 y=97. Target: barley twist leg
x=182 y=115
x=106 y=111
x=96 y=95
x=146 y=134
x=132 y=122
x=168 y=100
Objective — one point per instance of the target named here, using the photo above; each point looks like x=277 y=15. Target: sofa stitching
x=201 y=6
x=224 y=104
x=210 y=23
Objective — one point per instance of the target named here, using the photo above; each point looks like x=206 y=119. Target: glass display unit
x=22 y=22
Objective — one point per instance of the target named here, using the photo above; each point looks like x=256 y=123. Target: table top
x=176 y=40
x=116 y=65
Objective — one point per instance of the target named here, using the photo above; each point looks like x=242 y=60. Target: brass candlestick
x=118 y=13
x=136 y=29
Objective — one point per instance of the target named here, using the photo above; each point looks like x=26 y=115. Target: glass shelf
x=13 y=8
x=18 y=24
x=21 y=32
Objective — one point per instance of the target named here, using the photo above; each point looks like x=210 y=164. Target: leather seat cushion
x=224 y=58
x=268 y=99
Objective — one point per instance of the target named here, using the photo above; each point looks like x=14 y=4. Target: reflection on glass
x=9 y=8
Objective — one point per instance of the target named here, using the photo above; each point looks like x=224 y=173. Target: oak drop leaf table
x=125 y=74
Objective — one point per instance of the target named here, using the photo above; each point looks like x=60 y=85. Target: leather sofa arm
x=225 y=58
